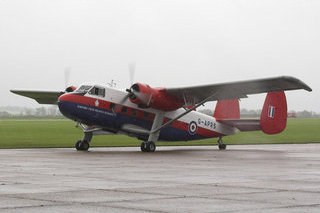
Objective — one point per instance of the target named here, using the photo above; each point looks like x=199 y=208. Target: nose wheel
x=82 y=145
x=148 y=146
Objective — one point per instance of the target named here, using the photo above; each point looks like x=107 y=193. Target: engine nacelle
x=145 y=96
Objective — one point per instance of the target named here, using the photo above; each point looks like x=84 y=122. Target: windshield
x=84 y=88
x=97 y=91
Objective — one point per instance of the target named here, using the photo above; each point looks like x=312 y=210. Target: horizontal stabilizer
x=243 y=125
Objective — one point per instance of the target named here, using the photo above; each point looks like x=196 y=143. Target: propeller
x=131 y=91
x=134 y=91
x=68 y=88
x=132 y=70
x=67 y=72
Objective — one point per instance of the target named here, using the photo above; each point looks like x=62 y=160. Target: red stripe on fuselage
x=106 y=105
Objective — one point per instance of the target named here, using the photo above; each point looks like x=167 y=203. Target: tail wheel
x=222 y=146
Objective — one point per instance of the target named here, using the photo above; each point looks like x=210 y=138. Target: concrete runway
x=245 y=179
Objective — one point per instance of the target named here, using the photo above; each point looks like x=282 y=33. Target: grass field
x=57 y=132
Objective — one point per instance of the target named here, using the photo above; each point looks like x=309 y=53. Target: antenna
x=112 y=83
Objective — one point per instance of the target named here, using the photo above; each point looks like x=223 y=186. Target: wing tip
x=298 y=82
x=14 y=91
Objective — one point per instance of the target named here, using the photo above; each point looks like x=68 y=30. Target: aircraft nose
x=63 y=97
x=65 y=105
x=61 y=101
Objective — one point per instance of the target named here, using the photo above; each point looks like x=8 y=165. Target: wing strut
x=150 y=146
x=183 y=114
x=154 y=134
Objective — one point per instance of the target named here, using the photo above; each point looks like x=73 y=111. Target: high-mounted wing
x=42 y=97
x=234 y=90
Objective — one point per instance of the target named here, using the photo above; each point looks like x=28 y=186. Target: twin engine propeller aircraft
x=168 y=114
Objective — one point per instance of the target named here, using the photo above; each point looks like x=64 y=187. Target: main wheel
x=222 y=146
x=151 y=146
x=143 y=146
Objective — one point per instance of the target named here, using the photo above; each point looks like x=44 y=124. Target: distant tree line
x=53 y=111
x=245 y=113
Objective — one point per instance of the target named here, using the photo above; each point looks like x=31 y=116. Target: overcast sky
x=173 y=43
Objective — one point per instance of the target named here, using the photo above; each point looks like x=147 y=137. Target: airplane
x=169 y=114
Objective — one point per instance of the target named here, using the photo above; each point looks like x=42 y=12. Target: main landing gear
x=222 y=146
x=84 y=144
x=148 y=146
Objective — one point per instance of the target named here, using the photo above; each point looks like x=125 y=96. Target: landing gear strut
x=222 y=146
x=148 y=146
x=83 y=145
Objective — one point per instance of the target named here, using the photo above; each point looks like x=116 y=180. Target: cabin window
x=97 y=91
x=124 y=109
x=112 y=106
x=134 y=112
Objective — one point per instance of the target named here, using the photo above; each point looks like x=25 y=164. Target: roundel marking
x=193 y=127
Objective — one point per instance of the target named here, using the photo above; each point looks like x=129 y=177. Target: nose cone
x=64 y=97
x=66 y=106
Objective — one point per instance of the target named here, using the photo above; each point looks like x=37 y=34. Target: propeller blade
x=132 y=70
x=67 y=72
x=124 y=98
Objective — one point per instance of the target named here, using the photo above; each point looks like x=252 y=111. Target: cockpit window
x=83 y=88
x=97 y=91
